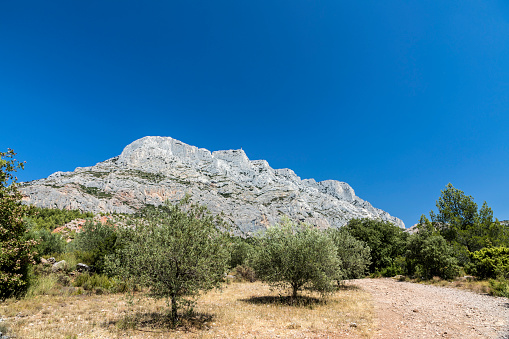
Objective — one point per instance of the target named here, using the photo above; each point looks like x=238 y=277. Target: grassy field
x=240 y=310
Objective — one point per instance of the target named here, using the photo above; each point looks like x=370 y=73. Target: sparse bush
x=245 y=273
x=42 y=285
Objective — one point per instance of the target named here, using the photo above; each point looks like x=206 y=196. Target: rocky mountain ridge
x=249 y=192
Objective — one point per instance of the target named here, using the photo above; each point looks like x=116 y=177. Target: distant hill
x=249 y=192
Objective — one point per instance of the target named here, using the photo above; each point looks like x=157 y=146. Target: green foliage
x=297 y=256
x=429 y=255
x=490 y=262
x=51 y=218
x=468 y=229
x=99 y=283
x=241 y=251
x=48 y=243
x=499 y=287
x=385 y=240
x=95 y=241
x=16 y=252
x=177 y=251
x=354 y=254
x=398 y=267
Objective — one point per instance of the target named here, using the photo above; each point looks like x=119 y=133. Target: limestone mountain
x=249 y=192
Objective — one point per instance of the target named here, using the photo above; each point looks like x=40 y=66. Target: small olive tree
x=297 y=256
x=176 y=251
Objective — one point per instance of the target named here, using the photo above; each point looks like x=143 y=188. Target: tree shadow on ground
x=348 y=287
x=285 y=300
x=149 y=321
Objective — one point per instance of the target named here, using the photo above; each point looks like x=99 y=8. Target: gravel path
x=407 y=310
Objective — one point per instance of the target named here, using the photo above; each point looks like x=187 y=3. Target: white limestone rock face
x=251 y=194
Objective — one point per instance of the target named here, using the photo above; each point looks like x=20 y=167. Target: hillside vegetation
x=179 y=253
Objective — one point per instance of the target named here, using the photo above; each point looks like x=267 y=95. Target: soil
x=409 y=310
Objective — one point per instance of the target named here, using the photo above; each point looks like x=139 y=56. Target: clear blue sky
x=396 y=98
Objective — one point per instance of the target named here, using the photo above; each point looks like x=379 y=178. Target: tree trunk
x=295 y=289
x=174 y=315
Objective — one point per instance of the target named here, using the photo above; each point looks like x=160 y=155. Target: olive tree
x=15 y=249
x=297 y=256
x=177 y=251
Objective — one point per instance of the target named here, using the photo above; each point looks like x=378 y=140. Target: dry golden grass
x=477 y=286
x=241 y=310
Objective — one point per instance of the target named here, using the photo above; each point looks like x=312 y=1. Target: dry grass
x=241 y=310
x=477 y=286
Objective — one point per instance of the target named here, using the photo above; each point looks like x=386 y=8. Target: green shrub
x=48 y=243
x=385 y=240
x=99 y=282
x=430 y=255
x=354 y=254
x=398 y=267
x=241 y=251
x=499 y=287
x=94 y=243
x=490 y=262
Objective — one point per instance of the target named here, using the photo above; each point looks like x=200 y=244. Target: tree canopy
x=297 y=256
x=385 y=240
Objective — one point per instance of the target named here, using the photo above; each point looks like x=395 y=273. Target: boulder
x=82 y=268
x=59 y=266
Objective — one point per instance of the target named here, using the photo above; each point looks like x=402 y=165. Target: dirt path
x=407 y=310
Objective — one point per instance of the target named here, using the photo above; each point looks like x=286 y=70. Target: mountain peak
x=153 y=169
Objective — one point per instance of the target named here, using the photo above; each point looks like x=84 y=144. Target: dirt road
x=407 y=310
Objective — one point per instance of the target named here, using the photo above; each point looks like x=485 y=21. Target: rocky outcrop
x=250 y=193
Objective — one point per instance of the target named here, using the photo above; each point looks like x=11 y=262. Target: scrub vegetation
x=163 y=268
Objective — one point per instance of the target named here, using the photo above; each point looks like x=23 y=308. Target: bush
x=94 y=243
x=490 y=262
x=354 y=254
x=297 y=256
x=241 y=251
x=48 y=243
x=246 y=273
x=499 y=287
x=430 y=255
x=90 y=282
x=385 y=240
x=398 y=267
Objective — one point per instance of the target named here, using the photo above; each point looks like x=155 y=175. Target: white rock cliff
x=250 y=193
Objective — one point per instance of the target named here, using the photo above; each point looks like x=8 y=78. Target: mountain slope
x=250 y=193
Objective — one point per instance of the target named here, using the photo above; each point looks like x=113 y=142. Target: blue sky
x=396 y=98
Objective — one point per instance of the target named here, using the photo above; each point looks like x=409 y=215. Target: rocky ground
x=408 y=310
